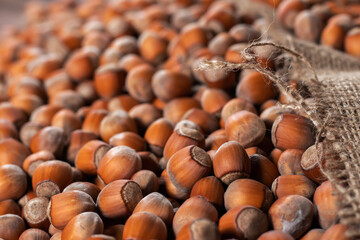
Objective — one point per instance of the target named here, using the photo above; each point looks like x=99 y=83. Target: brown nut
x=158 y=205
x=292 y=131
x=175 y=110
x=157 y=135
x=78 y=139
x=275 y=235
x=34 y=234
x=119 y=198
x=220 y=43
x=313 y=161
x=130 y=61
x=210 y=188
x=67 y=99
x=51 y=139
x=293 y=184
x=236 y=105
x=43 y=66
x=147 y=181
x=289 y=162
x=35 y=159
x=288 y=10
x=34 y=213
x=325 y=203
x=129 y=139
x=108 y=169
x=67 y=120
x=93 y=120
x=13 y=114
x=201 y=228
x=292 y=214
x=11 y=226
x=9 y=206
x=262 y=169
x=170 y=188
x=87 y=91
x=13 y=182
x=109 y=80
x=248 y=192
x=64 y=206
x=138 y=83
x=116 y=231
x=44 y=114
x=308 y=26
x=213 y=100
x=28 y=131
x=244 y=33
x=85 y=187
x=7 y=130
x=337 y=231
x=333 y=35
x=246 y=128
x=152 y=47
x=144 y=114
x=51 y=177
x=150 y=162
x=80 y=65
x=192 y=36
x=313 y=234
x=193 y=208
x=143 y=225
x=27 y=102
x=58 y=81
x=12 y=152
x=350 y=42
x=243 y=222
x=82 y=226
x=231 y=162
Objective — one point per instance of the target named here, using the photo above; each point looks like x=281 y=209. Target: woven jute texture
x=333 y=80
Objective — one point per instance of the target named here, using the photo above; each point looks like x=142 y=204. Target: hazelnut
x=43 y=115
x=157 y=135
x=67 y=99
x=35 y=159
x=313 y=234
x=34 y=234
x=9 y=206
x=66 y=120
x=243 y=222
x=129 y=139
x=337 y=231
x=220 y=43
x=144 y=114
x=210 y=188
x=289 y=162
x=7 y=130
x=192 y=36
x=293 y=184
x=288 y=10
x=231 y=162
x=325 y=202
x=51 y=139
x=116 y=231
x=275 y=155
x=255 y=150
x=175 y=110
x=152 y=47
x=248 y=192
x=262 y=169
x=170 y=188
x=275 y=235
x=77 y=140
x=292 y=214
x=236 y=105
x=12 y=114
x=122 y=102
x=213 y=100
x=27 y=102
x=85 y=187
x=28 y=131
x=308 y=26
x=201 y=228
x=138 y=83
x=34 y=213
x=150 y=162
x=11 y=226
x=80 y=65
x=130 y=61
x=147 y=181
x=350 y=42
x=43 y=66
x=58 y=81
x=93 y=120
x=12 y=152
x=13 y=182
x=119 y=198
x=109 y=80
x=333 y=35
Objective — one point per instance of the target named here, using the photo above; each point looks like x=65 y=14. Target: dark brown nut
x=292 y=214
x=64 y=206
x=288 y=10
x=220 y=43
x=82 y=226
x=27 y=102
x=44 y=114
x=130 y=61
x=325 y=203
x=138 y=83
x=187 y=166
x=192 y=36
x=67 y=99
x=90 y=156
x=34 y=213
x=256 y=88
x=130 y=139
x=51 y=139
x=231 y=162
x=236 y=105
x=313 y=161
x=147 y=181
x=87 y=91
x=152 y=227
x=13 y=182
x=93 y=120
x=262 y=169
x=66 y=120
x=291 y=131
x=275 y=235
x=170 y=188
x=109 y=80
x=313 y=234
x=168 y=85
x=116 y=122
x=13 y=114
x=80 y=65
x=108 y=169
x=122 y=102
x=244 y=33
x=11 y=226
x=255 y=150
x=43 y=66
x=116 y=231
x=246 y=128
x=158 y=205
x=119 y=198
x=34 y=234
x=193 y=208
x=333 y=35
x=35 y=159
x=7 y=130
x=293 y=184
x=337 y=231
x=213 y=100
x=9 y=206
x=78 y=139
x=12 y=152
x=248 y=192
x=51 y=177
x=308 y=26
x=150 y=162
x=350 y=42
x=175 y=110
x=157 y=135
x=86 y=187
x=181 y=138
x=152 y=47
x=210 y=188
x=144 y=114
x=289 y=162
x=243 y=222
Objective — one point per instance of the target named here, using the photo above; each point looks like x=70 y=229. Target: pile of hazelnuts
x=332 y=23
x=107 y=131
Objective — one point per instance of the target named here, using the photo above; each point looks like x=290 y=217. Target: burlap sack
x=333 y=79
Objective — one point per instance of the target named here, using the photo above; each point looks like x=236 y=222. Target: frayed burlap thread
x=333 y=80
